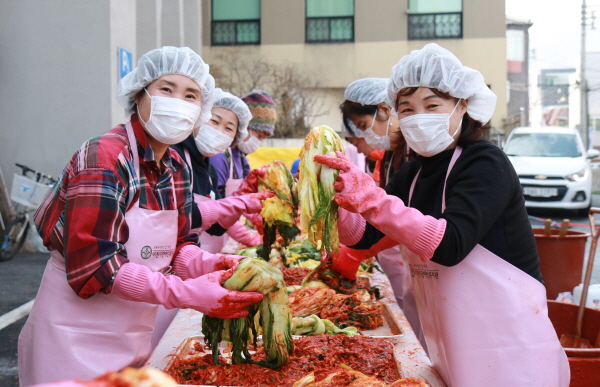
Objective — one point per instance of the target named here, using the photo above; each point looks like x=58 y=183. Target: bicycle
x=28 y=193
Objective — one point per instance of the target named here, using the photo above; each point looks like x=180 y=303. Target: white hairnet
x=367 y=91
x=168 y=60
x=437 y=68
x=229 y=101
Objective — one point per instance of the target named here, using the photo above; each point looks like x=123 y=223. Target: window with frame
x=596 y=124
x=434 y=19
x=329 y=21
x=235 y=22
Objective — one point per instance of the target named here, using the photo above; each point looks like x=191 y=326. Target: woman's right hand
x=205 y=294
x=355 y=190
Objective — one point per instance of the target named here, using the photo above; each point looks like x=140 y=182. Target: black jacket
x=204 y=180
x=484 y=205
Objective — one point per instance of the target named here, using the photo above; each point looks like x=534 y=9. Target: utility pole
x=584 y=120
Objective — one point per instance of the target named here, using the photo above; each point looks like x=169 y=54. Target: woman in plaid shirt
x=117 y=224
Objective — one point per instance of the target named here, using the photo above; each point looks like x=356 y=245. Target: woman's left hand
x=355 y=189
x=228 y=262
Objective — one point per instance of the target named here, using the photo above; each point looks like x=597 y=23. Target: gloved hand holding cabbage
x=279 y=212
x=357 y=192
x=254 y=276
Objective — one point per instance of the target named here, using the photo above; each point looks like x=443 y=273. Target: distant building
x=517 y=68
x=555 y=89
x=339 y=41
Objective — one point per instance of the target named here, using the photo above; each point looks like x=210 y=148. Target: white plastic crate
x=28 y=192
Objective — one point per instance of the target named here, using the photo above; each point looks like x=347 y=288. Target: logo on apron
x=165 y=251
x=146 y=252
x=422 y=271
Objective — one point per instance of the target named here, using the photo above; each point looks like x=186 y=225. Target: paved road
x=20 y=278
x=19 y=281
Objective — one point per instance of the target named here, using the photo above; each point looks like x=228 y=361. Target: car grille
x=562 y=191
x=547 y=177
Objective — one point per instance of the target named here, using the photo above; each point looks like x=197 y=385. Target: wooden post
x=547 y=225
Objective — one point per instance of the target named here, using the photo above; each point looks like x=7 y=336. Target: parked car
x=553 y=167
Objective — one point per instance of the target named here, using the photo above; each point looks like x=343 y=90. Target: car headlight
x=578 y=176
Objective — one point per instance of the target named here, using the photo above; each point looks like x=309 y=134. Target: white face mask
x=171 y=119
x=376 y=141
x=250 y=145
x=211 y=142
x=428 y=133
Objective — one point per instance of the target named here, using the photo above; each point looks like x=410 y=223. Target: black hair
x=350 y=108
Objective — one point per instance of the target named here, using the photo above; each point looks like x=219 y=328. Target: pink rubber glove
x=357 y=192
x=67 y=383
x=250 y=183
x=227 y=211
x=257 y=222
x=205 y=294
x=192 y=262
x=241 y=234
x=347 y=261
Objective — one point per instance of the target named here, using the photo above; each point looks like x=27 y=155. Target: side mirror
x=593 y=153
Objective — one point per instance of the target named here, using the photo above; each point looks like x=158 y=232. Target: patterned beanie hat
x=263 y=111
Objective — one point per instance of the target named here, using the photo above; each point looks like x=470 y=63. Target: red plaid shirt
x=83 y=218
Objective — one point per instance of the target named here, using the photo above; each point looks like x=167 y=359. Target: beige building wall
x=332 y=98
x=123 y=23
x=60 y=70
x=381 y=34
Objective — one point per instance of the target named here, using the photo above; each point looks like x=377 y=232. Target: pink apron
x=67 y=337
x=211 y=243
x=485 y=321
x=232 y=184
x=395 y=268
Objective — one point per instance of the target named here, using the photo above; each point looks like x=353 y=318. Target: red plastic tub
x=561 y=259
x=585 y=363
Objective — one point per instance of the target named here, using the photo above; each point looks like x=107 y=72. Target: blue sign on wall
x=125 y=62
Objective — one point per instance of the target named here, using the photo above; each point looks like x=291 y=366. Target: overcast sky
x=555 y=37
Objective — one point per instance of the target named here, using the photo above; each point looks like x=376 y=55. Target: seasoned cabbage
x=318 y=209
x=280 y=211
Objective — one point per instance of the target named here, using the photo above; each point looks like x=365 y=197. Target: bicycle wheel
x=13 y=237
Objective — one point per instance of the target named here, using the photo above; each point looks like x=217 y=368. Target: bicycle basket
x=28 y=192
